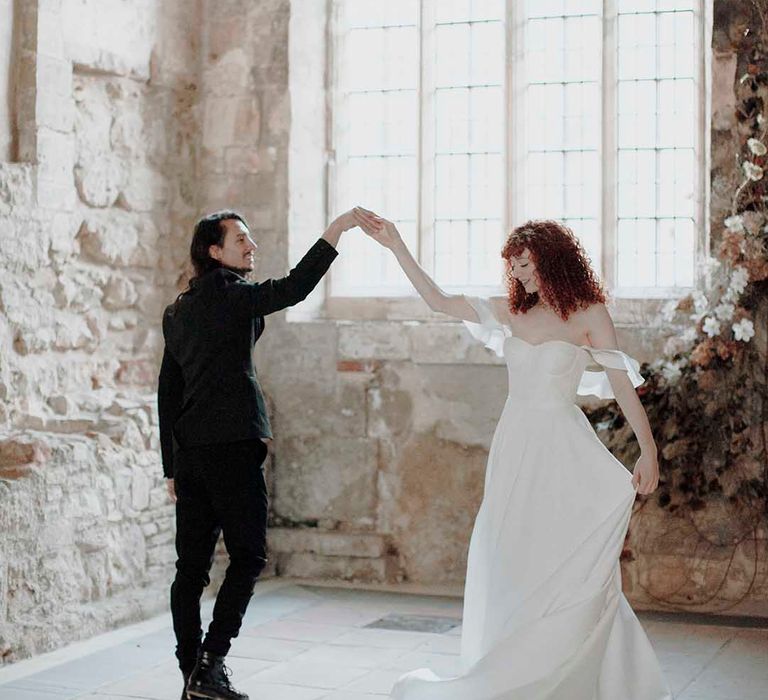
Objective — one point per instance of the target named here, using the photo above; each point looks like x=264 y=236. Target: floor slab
x=308 y=642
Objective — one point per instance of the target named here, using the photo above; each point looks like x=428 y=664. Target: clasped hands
x=378 y=228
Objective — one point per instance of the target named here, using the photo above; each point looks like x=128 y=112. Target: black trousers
x=219 y=488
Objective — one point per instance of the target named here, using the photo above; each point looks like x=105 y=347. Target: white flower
x=743 y=330
x=729 y=295
x=689 y=336
x=734 y=223
x=709 y=266
x=757 y=147
x=760 y=118
x=700 y=301
x=669 y=310
x=752 y=171
x=671 y=372
x=724 y=311
x=739 y=279
x=711 y=326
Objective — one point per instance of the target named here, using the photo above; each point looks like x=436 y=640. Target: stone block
x=325 y=477
x=119 y=293
x=330 y=544
x=228 y=75
x=384 y=341
x=447 y=343
x=306 y=565
x=305 y=407
x=55 y=156
x=99 y=180
x=109 y=238
x=55 y=107
x=143 y=190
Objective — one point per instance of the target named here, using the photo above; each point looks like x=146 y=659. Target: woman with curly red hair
x=544 y=615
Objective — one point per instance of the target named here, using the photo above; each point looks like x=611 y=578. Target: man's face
x=237 y=249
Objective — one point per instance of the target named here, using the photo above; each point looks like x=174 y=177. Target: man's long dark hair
x=208 y=232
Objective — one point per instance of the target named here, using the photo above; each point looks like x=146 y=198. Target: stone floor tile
x=441 y=644
x=444 y=665
x=18 y=692
x=378 y=681
x=365 y=657
x=278 y=691
x=345 y=695
x=336 y=614
x=387 y=639
x=310 y=674
x=266 y=648
x=297 y=631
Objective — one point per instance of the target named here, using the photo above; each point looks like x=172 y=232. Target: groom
x=214 y=429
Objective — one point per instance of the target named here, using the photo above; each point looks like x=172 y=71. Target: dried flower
x=671 y=372
x=711 y=326
x=743 y=330
x=700 y=301
x=739 y=279
x=752 y=221
x=725 y=349
x=724 y=311
x=752 y=171
x=701 y=355
x=758 y=269
x=732 y=245
x=757 y=147
x=734 y=223
x=669 y=310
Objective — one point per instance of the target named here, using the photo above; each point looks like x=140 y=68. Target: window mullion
x=426 y=143
x=608 y=144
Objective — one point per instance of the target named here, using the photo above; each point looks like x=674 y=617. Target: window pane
x=375 y=133
x=451 y=186
x=452 y=252
x=485 y=264
x=657 y=127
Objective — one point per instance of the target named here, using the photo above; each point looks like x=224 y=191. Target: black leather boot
x=184 y=695
x=210 y=680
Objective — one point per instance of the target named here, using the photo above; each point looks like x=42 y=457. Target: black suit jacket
x=207 y=390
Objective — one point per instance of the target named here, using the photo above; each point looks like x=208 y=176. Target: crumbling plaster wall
x=90 y=215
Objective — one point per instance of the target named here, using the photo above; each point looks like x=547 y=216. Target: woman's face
x=238 y=248
x=524 y=270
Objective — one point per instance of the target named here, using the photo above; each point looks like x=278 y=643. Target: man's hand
x=357 y=217
x=170 y=486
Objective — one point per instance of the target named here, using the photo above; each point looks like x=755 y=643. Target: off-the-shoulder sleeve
x=594 y=380
x=489 y=330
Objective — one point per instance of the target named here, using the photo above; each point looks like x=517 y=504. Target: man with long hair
x=214 y=430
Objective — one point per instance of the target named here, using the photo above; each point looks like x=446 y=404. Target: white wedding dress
x=544 y=616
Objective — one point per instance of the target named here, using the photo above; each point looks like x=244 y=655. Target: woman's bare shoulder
x=500 y=306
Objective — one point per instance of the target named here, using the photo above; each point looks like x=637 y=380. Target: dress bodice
x=554 y=371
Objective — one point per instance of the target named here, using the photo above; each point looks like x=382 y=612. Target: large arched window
x=461 y=118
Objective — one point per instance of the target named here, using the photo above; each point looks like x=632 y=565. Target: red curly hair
x=566 y=279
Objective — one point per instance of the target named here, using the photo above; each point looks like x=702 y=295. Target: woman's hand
x=387 y=235
x=645 y=477
x=358 y=216
x=170 y=486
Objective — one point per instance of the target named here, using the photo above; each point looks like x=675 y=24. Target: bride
x=544 y=616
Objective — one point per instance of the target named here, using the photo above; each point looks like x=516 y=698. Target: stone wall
x=105 y=172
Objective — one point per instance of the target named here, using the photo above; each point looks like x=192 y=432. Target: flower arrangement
x=707 y=395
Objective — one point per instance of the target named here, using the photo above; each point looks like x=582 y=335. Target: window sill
x=624 y=311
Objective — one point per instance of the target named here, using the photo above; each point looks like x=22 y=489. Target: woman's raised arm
x=452 y=304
